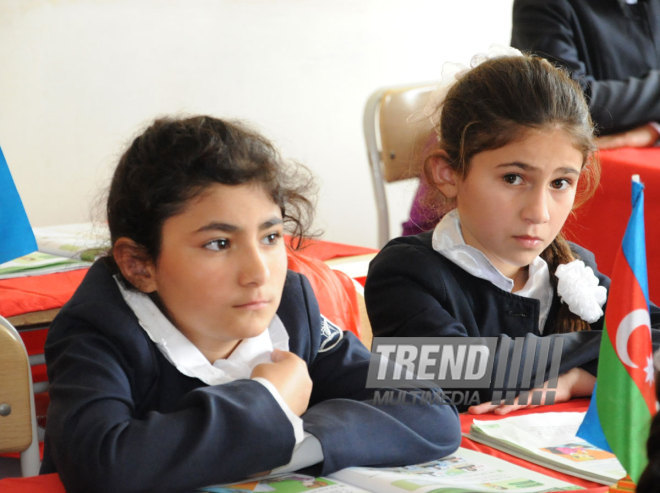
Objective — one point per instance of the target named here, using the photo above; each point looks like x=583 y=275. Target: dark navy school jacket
x=414 y=291
x=611 y=48
x=122 y=418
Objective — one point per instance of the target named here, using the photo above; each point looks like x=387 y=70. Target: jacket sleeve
x=404 y=299
x=549 y=29
x=100 y=440
x=354 y=428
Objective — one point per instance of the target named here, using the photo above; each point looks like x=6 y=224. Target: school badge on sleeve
x=330 y=335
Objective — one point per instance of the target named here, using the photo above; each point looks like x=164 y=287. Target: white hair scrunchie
x=578 y=288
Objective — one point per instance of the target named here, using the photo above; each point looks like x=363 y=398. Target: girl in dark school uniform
x=514 y=157
x=190 y=355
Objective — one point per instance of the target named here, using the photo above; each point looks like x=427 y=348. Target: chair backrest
x=395 y=133
x=18 y=424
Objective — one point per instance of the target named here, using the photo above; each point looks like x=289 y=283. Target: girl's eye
x=513 y=179
x=561 y=183
x=217 y=245
x=272 y=238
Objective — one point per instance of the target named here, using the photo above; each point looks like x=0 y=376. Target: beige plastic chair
x=395 y=133
x=18 y=422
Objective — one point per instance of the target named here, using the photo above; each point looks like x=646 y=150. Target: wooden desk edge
x=351 y=259
x=25 y=320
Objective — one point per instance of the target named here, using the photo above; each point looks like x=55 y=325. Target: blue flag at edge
x=16 y=236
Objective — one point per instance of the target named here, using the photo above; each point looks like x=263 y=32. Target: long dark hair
x=173 y=160
x=491 y=105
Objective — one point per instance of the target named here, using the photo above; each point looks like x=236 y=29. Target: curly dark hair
x=174 y=160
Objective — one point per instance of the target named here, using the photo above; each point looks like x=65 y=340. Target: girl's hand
x=642 y=136
x=288 y=373
x=574 y=383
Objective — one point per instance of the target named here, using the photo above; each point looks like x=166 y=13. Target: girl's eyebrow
x=274 y=221
x=231 y=228
x=530 y=168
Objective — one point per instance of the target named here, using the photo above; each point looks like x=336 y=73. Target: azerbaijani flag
x=16 y=236
x=623 y=401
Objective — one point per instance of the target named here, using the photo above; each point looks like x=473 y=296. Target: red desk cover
x=48 y=483
x=21 y=295
x=600 y=223
x=326 y=250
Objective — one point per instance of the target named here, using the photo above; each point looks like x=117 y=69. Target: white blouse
x=250 y=352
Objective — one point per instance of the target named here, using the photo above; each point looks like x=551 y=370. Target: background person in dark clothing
x=612 y=48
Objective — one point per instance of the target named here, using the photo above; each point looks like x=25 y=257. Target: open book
x=37 y=263
x=549 y=439
x=465 y=471
x=83 y=241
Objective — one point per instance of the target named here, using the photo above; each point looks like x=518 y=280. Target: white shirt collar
x=187 y=358
x=448 y=240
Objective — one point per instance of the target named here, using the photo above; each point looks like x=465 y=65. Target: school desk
x=600 y=223
x=50 y=483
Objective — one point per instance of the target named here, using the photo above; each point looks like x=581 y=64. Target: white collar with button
x=448 y=241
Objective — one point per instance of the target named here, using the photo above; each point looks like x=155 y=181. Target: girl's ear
x=444 y=176
x=135 y=264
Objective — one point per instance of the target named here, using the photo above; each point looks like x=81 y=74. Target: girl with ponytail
x=515 y=156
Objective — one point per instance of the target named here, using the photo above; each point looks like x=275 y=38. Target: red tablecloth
x=21 y=295
x=600 y=223
x=326 y=250
x=48 y=483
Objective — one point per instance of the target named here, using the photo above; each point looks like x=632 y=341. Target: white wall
x=80 y=77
